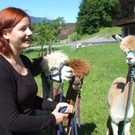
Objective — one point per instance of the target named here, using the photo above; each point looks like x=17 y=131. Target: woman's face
x=20 y=36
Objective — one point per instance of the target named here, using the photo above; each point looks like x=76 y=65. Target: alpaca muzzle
x=53 y=76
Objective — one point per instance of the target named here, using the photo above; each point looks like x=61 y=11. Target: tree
x=126 y=8
x=59 y=22
x=107 y=10
x=44 y=32
x=88 y=18
x=94 y=14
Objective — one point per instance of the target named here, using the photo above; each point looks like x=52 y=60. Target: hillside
x=104 y=33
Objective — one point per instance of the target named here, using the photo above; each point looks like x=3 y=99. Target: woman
x=18 y=88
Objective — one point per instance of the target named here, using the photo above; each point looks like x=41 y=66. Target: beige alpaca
x=118 y=93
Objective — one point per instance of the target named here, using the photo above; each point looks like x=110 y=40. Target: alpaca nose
x=129 y=58
x=76 y=83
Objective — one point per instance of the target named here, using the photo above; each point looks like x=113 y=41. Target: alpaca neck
x=127 y=87
x=47 y=89
x=71 y=95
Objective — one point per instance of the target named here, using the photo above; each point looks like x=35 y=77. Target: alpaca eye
x=53 y=68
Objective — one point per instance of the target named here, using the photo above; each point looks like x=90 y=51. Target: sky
x=51 y=9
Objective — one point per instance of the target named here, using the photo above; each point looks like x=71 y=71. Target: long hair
x=9 y=18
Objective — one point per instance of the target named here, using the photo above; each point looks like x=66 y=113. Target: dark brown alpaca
x=80 y=68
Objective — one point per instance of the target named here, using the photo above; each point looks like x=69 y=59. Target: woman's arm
x=44 y=104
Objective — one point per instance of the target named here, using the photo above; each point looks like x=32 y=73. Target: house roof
x=70 y=25
x=65 y=32
x=125 y=21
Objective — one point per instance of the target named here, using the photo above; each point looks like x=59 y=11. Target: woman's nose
x=29 y=32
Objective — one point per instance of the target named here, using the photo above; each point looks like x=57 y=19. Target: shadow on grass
x=87 y=129
x=120 y=127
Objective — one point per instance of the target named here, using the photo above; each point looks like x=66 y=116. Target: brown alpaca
x=80 y=69
x=119 y=91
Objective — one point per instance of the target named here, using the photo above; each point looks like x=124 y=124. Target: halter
x=80 y=80
x=132 y=52
x=50 y=77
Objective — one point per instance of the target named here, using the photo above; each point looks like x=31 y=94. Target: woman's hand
x=60 y=116
x=70 y=108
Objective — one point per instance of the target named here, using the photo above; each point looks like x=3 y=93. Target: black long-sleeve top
x=18 y=101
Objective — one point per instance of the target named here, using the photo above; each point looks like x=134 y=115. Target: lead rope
x=71 y=117
x=62 y=110
x=59 y=127
x=78 y=111
x=77 y=130
x=129 y=97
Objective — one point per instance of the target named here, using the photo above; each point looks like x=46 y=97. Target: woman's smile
x=27 y=41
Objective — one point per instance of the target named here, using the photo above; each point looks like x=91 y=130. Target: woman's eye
x=31 y=28
x=23 y=29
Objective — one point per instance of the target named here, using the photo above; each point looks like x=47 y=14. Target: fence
x=71 y=42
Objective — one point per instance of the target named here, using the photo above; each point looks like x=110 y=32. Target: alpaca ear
x=118 y=38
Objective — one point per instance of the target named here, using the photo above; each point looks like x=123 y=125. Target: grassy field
x=107 y=62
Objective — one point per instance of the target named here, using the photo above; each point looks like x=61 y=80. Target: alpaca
x=118 y=93
x=48 y=66
x=80 y=69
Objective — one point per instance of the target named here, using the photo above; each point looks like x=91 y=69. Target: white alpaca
x=118 y=93
x=49 y=65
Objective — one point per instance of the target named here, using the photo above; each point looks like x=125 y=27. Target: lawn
x=107 y=62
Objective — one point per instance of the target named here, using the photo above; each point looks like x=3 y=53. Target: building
x=67 y=31
x=128 y=23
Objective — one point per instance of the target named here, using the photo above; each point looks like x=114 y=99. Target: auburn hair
x=9 y=18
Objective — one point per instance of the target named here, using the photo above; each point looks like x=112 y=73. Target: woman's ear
x=5 y=34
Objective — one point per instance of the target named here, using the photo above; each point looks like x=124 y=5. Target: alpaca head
x=50 y=63
x=80 y=69
x=127 y=45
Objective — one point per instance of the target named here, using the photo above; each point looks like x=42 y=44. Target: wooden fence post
x=68 y=39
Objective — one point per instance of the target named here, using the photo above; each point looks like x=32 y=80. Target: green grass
x=107 y=62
